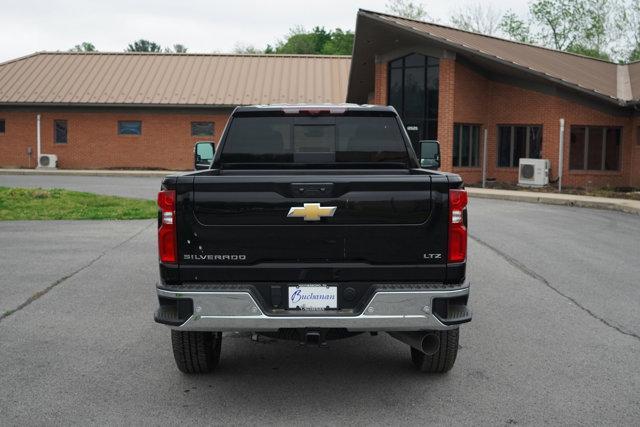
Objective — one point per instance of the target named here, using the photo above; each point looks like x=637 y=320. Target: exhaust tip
x=430 y=344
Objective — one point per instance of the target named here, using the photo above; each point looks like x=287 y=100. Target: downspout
x=38 y=142
x=484 y=158
x=561 y=155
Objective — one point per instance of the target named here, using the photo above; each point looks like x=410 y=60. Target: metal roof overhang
x=113 y=105
x=376 y=36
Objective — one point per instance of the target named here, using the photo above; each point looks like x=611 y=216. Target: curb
x=62 y=172
x=620 y=205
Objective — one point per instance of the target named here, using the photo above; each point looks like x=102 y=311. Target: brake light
x=457 y=227
x=167 y=241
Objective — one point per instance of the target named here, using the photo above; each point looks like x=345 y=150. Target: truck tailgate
x=386 y=227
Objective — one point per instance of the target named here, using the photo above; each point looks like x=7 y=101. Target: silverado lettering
x=214 y=257
x=338 y=229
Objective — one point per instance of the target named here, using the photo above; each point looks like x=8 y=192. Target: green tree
x=314 y=42
x=566 y=24
x=586 y=27
x=516 y=28
x=628 y=19
x=143 y=45
x=340 y=43
x=407 y=9
x=559 y=21
x=303 y=42
x=588 y=51
x=83 y=47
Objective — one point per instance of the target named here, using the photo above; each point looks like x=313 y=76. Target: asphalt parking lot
x=555 y=336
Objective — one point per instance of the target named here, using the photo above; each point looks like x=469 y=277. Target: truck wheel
x=196 y=352
x=443 y=360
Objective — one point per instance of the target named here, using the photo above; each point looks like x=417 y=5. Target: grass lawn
x=37 y=203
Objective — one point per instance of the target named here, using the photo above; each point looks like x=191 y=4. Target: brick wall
x=19 y=135
x=470 y=107
x=446 y=103
x=635 y=158
x=468 y=97
x=381 y=76
x=94 y=143
x=491 y=103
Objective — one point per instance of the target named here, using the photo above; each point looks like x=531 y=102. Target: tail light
x=167 y=241
x=457 y=225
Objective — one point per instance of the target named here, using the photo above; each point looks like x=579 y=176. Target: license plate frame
x=312 y=297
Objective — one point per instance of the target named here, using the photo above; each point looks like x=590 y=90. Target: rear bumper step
x=237 y=310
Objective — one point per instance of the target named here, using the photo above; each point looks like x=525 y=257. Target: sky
x=203 y=26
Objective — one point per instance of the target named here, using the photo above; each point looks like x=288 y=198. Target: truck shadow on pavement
x=361 y=373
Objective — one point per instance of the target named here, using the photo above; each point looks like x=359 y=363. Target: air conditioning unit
x=533 y=172
x=48 y=161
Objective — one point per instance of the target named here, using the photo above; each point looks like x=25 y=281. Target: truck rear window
x=314 y=140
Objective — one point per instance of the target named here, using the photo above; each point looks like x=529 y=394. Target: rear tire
x=196 y=352
x=443 y=360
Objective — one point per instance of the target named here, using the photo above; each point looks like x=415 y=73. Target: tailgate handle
x=312 y=189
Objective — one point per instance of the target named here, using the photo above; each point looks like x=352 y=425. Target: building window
x=129 y=127
x=2 y=126
x=594 y=148
x=466 y=145
x=60 y=131
x=201 y=128
x=413 y=91
x=516 y=142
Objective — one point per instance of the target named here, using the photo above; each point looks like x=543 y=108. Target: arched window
x=413 y=91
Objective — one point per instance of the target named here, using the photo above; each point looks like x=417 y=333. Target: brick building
x=124 y=110
x=144 y=110
x=451 y=85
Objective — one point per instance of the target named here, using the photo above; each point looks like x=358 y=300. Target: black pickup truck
x=313 y=223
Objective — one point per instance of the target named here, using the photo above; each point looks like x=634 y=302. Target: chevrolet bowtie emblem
x=311 y=211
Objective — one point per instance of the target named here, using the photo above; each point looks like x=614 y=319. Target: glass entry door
x=413 y=91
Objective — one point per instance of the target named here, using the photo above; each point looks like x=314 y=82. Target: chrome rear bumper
x=386 y=311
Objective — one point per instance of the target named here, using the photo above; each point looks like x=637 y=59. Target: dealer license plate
x=313 y=297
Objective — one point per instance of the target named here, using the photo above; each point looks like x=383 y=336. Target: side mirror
x=430 y=154
x=203 y=155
